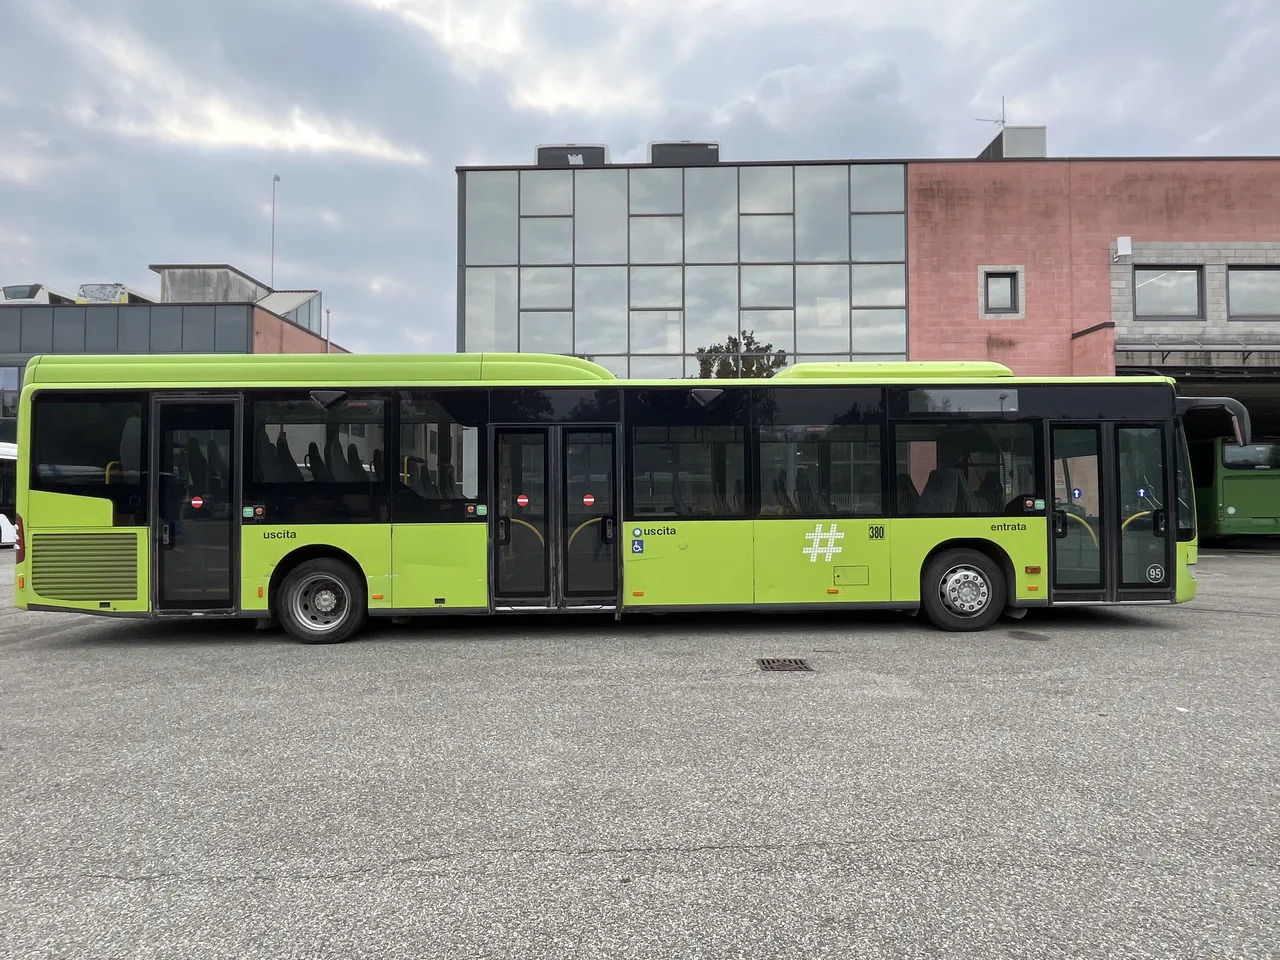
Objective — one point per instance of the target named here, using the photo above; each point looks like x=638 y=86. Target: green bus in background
x=1237 y=487
x=322 y=490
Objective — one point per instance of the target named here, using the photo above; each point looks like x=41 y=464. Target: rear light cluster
x=19 y=540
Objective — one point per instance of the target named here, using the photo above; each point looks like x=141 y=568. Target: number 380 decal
x=875 y=531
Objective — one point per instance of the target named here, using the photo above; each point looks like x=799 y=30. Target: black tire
x=963 y=590
x=322 y=601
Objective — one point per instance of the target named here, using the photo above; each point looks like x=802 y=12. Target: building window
x=1253 y=292
x=1000 y=293
x=1164 y=292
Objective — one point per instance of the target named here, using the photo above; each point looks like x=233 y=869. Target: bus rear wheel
x=963 y=590
x=321 y=601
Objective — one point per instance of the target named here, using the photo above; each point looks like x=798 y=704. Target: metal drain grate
x=784 y=664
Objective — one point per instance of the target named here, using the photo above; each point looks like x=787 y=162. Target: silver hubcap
x=964 y=591
x=320 y=603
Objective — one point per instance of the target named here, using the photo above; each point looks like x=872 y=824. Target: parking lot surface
x=1074 y=784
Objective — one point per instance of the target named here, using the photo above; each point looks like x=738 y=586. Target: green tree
x=742 y=356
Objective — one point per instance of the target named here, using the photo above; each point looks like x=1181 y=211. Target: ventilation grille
x=85 y=566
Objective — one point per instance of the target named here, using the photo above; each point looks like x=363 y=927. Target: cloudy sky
x=145 y=131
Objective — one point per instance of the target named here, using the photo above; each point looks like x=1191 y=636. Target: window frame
x=1014 y=304
x=1234 y=268
x=1037 y=429
x=1197 y=270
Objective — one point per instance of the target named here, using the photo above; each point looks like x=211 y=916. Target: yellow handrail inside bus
x=526 y=523
x=581 y=527
x=1144 y=513
x=1087 y=525
x=107 y=473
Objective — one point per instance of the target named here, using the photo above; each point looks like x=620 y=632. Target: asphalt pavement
x=1080 y=783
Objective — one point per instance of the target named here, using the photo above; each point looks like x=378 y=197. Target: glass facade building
x=638 y=266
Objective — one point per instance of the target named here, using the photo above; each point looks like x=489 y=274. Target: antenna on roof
x=999 y=121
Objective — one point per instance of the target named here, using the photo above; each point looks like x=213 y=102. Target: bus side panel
x=82 y=563
x=687 y=563
x=1024 y=539
x=440 y=565
x=264 y=546
x=821 y=561
x=1250 y=502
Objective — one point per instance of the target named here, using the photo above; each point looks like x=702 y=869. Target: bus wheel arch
x=319 y=594
x=965 y=584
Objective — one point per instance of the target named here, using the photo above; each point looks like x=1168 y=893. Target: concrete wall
x=1055 y=222
x=208 y=285
x=271 y=334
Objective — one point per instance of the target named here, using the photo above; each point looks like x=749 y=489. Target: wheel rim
x=965 y=591
x=321 y=603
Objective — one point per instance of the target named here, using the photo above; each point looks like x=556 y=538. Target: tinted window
x=878 y=236
x=491 y=229
x=1201 y=453
x=767 y=239
x=198 y=329
x=490 y=322
x=657 y=190
x=319 y=460
x=440 y=462
x=546 y=240
x=688 y=460
x=230 y=333
x=600 y=310
x=37 y=329
x=68 y=330
x=546 y=192
x=554 y=405
x=600 y=216
x=91 y=446
x=820 y=452
x=965 y=469
x=547 y=288
x=765 y=189
x=822 y=197
x=876 y=187
x=1252 y=457
x=711 y=215
x=657 y=240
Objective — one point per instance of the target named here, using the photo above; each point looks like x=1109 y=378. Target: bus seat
x=356 y=464
x=908 y=496
x=316 y=464
x=990 y=492
x=264 y=456
x=197 y=468
x=288 y=466
x=375 y=464
x=218 y=472
x=131 y=446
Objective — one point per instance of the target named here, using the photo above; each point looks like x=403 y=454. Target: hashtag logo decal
x=826 y=545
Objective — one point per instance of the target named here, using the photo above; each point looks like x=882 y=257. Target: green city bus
x=317 y=491
x=1237 y=487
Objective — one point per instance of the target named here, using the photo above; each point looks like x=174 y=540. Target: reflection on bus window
x=438 y=462
x=819 y=470
x=301 y=441
x=965 y=469
x=689 y=471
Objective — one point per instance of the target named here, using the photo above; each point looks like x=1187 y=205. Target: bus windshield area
x=1255 y=456
x=22 y=291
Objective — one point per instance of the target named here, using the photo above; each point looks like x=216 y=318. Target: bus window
x=964 y=468
x=438 y=464
x=92 y=447
x=819 y=470
x=1253 y=457
x=298 y=440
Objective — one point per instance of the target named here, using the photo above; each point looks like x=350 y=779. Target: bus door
x=195 y=512
x=554 y=526
x=1113 y=530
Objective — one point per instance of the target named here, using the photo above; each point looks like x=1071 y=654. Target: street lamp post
x=274 y=180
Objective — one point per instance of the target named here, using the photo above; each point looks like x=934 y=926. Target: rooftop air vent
x=684 y=153
x=573 y=155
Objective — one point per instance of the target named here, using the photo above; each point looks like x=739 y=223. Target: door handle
x=165 y=533
x=1160 y=521
x=1060 y=524
x=606 y=530
x=504 y=531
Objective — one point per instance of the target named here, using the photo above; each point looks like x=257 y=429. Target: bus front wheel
x=963 y=590
x=321 y=601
